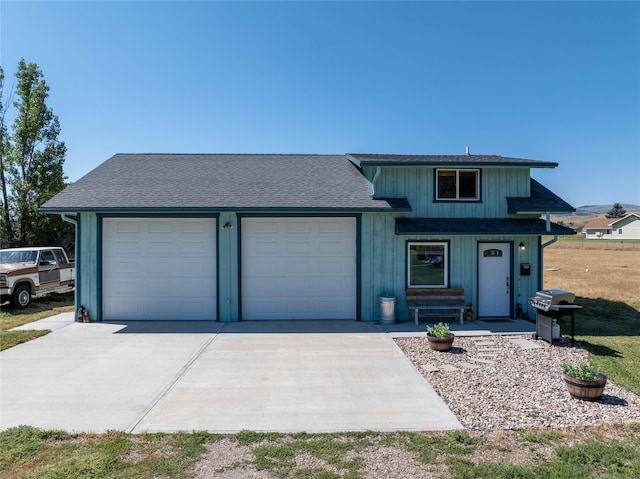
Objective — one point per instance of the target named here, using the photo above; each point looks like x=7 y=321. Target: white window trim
x=457 y=171
x=445 y=265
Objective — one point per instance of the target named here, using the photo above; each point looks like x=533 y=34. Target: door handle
x=507 y=284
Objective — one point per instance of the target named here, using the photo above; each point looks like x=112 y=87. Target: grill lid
x=556 y=296
x=546 y=298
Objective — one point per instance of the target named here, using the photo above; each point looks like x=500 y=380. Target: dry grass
x=607 y=285
x=612 y=274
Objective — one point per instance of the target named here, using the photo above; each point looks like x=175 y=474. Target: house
x=259 y=237
x=598 y=228
x=624 y=228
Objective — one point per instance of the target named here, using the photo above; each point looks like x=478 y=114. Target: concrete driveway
x=322 y=376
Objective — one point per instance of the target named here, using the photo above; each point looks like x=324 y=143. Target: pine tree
x=616 y=212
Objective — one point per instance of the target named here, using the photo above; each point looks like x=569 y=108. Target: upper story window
x=458 y=185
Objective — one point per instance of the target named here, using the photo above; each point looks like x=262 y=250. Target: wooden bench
x=438 y=302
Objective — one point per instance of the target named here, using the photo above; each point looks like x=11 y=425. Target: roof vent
x=468 y=154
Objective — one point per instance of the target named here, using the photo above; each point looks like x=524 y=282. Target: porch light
x=522 y=246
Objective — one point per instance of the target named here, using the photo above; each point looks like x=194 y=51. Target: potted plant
x=583 y=381
x=440 y=337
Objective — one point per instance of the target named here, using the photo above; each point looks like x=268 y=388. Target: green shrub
x=440 y=330
x=583 y=371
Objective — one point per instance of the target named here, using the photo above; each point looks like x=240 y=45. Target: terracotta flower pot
x=441 y=344
x=586 y=390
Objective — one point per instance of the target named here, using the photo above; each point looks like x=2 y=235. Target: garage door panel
x=333 y=307
x=299 y=286
x=127 y=247
x=192 y=308
x=298 y=268
x=126 y=288
x=195 y=288
x=125 y=268
x=334 y=288
x=124 y=227
x=193 y=248
x=336 y=248
x=261 y=309
x=264 y=248
x=195 y=228
x=307 y=271
x=151 y=265
x=259 y=288
x=298 y=227
x=333 y=227
x=298 y=248
x=159 y=307
x=298 y=307
x=158 y=248
x=156 y=268
x=333 y=268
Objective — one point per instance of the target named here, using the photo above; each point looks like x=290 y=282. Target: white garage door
x=159 y=269
x=298 y=268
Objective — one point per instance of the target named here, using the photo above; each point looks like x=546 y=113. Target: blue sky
x=542 y=80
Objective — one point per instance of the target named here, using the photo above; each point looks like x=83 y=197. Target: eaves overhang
x=541 y=201
x=207 y=210
x=476 y=226
x=452 y=161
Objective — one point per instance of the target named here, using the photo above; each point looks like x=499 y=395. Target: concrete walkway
x=315 y=376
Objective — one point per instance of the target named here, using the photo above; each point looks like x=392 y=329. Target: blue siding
x=417 y=184
x=228 y=275
x=87 y=292
x=384 y=263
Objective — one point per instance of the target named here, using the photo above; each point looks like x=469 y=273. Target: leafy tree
x=616 y=212
x=32 y=164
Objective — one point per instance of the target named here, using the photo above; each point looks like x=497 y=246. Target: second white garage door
x=159 y=268
x=298 y=268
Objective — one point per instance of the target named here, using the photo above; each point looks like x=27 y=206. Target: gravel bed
x=521 y=388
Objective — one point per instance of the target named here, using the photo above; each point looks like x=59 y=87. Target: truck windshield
x=18 y=257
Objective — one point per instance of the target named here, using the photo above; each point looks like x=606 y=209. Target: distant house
x=613 y=228
x=598 y=228
x=263 y=237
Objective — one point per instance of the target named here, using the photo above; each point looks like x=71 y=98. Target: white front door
x=494 y=279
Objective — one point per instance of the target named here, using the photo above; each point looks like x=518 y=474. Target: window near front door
x=458 y=185
x=428 y=265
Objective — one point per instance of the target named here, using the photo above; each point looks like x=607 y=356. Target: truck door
x=48 y=270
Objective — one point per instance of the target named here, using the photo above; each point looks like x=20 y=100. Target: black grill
x=551 y=304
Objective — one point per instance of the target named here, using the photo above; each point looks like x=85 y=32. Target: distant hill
x=584 y=214
x=590 y=210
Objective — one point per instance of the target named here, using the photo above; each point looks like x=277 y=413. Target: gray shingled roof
x=235 y=182
x=541 y=200
x=445 y=160
x=473 y=226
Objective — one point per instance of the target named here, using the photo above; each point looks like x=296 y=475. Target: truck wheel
x=21 y=296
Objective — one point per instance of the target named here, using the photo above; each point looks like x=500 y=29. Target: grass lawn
x=29 y=453
x=38 y=309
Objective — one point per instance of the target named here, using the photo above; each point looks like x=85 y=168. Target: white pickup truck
x=26 y=273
